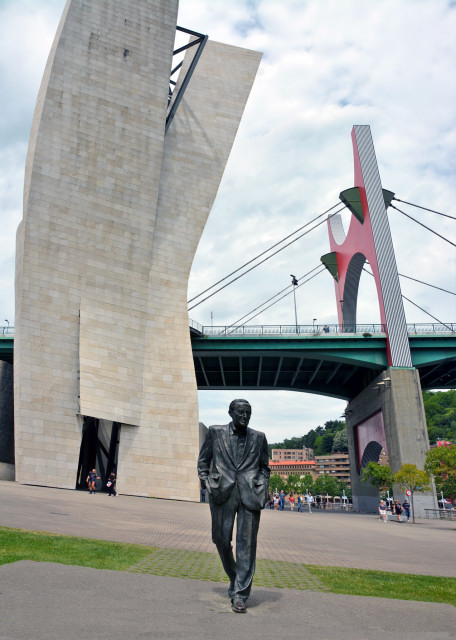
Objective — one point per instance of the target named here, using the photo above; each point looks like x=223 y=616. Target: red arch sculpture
x=368 y=238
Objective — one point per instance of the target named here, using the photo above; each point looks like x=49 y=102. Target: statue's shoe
x=238 y=605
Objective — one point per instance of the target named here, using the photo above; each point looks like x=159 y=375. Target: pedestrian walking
x=309 y=500
x=407 y=507
x=382 y=511
x=92 y=480
x=291 y=500
x=398 y=510
x=111 y=485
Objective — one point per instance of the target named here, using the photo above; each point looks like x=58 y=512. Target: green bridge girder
x=340 y=366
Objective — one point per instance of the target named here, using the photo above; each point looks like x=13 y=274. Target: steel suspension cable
x=264 y=259
x=262 y=253
x=424 y=208
x=427 y=284
x=272 y=297
x=426 y=312
x=423 y=225
x=284 y=296
x=414 y=303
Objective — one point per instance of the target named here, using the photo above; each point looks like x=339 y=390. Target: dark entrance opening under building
x=99 y=450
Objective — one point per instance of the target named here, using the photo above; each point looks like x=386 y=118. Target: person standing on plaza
x=406 y=505
x=299 y=502
x=382 y=511
x=92 y=480
x=309 y=500
x=282 y=500
x=291 y=500
x=398 y=510
x=233 y=466
x=111 y=484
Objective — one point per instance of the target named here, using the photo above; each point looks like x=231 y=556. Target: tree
x=307 y=484
x=440 y=409
x=326 y=485
x=311 y=436
x=441 y=463
x=343 y=486
x=276 y=482
x=414 y=479
x=340 y=442
x=293 y=483
x=378 y=475
x=334 y=426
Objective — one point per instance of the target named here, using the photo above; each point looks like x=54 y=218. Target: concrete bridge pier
x=388 y=414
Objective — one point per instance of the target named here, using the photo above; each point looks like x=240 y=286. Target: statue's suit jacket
x=219 y=472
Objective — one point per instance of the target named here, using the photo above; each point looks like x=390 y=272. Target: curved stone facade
x=113 y=213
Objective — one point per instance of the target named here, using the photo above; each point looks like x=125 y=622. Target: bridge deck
x=339 y=365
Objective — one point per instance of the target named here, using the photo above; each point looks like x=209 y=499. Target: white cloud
x=327 y=65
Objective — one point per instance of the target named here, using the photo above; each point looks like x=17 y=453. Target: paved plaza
x=43 y=601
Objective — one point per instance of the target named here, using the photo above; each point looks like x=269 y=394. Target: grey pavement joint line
x=179 y=563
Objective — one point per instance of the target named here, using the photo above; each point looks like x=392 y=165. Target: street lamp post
x=313 y=324
x=294 y=282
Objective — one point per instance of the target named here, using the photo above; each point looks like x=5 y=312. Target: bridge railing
x=300 y=329
x=289 y=330
x=365 y=330
x=431 y=327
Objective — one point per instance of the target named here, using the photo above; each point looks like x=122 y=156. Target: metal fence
x=366 y=330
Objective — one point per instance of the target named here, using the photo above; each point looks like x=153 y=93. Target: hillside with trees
x=440 y=408
x=323 y=440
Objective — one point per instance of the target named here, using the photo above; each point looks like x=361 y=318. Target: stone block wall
x=113 y=213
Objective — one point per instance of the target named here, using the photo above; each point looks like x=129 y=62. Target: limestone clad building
x=113 y=212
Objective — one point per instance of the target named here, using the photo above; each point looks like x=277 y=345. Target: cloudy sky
x=327 y=65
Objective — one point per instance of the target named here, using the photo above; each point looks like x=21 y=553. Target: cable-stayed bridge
x=316 y=359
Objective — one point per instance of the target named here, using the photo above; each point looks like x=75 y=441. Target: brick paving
x=321 y=538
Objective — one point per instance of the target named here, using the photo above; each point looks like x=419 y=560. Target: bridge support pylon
x=388 y=415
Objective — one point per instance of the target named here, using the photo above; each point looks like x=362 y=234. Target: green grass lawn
x=18 y=544
x=382 y=584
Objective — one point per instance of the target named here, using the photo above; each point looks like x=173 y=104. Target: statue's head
x=240 y=412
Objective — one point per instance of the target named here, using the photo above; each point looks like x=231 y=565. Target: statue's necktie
x=239 y=447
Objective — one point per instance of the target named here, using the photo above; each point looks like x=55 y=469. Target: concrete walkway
x=322 y=538
x=43 y=601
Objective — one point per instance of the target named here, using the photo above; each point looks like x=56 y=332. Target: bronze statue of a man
x=233 y=467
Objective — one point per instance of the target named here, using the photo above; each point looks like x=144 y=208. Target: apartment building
x=292 y=454
x=334 y=464
x=284 y=468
